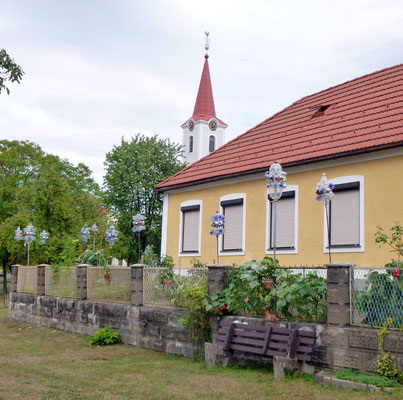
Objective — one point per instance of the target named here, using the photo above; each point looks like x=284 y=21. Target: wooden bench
x=290 y=348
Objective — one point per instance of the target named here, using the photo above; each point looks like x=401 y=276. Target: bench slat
x=274 y=345
x=246 y=349
x=279 y=338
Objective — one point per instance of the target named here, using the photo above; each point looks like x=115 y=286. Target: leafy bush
x=195 y=321
x=294 y=297
x=380 y=381
x=298 y=297
x=105 y=336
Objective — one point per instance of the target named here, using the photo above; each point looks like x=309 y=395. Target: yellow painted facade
x=383 y=205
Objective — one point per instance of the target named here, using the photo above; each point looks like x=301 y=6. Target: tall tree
x=133 y=169
x=49 y=193
x=9 y=71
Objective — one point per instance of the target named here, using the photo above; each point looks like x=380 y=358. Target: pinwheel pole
x=29 y=237
x=276 y=178
x=324 y=193
x=138 y=227
x=217 y=222
x=94 y=229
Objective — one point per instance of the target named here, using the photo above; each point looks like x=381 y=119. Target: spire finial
x=206 y=41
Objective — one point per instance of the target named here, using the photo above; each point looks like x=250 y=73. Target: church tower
x=203 y=132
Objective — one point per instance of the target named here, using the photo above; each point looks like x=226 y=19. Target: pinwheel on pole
x=44 y=236
x=276 y=178
x=324 y=193
x=112 y=235
x=217 y=222
x=138 y=227
x=85 y=233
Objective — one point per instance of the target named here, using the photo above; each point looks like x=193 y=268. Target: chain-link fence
x=4 y=291
x=160 y=287
x=27 y=281
x=61 y=281
x=376 y=297
x=114 y=286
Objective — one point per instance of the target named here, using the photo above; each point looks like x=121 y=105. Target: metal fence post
x=338 y=293
x=137 y=274
x=82 y=281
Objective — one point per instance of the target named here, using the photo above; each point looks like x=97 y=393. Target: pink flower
x=396 y=273
x=201 y=323
x=223 y=307
x=217 y=310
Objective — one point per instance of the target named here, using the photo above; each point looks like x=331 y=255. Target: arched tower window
x=211 y=143
x=190 y=144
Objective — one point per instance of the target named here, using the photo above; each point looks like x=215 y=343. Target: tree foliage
x=49 y=193
x=133 y=169
x=9 y=71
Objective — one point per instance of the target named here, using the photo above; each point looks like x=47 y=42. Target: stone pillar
x=41 y=279
x=82 y=281
x=338 y=293
x=137 y=284
x=14 y=277
x=216 y=277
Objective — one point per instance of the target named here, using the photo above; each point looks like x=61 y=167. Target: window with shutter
x=344 y=215
x=285 y=226
x=233 y=235
x=190 y=229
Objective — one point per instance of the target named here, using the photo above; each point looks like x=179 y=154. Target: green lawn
x=41 y=363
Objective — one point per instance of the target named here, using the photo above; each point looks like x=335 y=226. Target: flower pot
x=268 y=316
x=168 y=282
x=268 y=283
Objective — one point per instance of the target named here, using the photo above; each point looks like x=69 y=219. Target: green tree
x=49 y=193
x=133 y=169
x=9 y=71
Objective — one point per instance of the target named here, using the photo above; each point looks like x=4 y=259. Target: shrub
x=380 y=381
x=105 y=336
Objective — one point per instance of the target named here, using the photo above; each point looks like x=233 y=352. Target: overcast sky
x=97 y=70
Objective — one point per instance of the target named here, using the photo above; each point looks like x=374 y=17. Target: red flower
x=201 y=323
x=217 y=310
x=223 y=307
x=396 y=273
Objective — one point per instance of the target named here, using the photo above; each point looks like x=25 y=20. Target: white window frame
x=361 y=248
x=234 y=196
x=187 y=204
x=289 y=188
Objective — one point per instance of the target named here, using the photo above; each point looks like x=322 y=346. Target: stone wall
x=149 y=327
x=339 y=345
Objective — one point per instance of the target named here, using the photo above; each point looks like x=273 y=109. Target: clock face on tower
x=191 y=125
x=212 y=125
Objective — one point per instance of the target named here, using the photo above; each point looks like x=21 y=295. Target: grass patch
x=377 y=380
x=43 y=363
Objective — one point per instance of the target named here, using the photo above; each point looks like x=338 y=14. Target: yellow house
x=353 y=132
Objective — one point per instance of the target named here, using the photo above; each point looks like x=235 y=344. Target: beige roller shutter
x=345 y=218
x=191 y=224
x=232 y=239
x=285 y=226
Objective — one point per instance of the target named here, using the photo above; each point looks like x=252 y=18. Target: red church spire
x=204 y=108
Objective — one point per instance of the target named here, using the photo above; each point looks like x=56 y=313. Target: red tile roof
x=365 y=114
x=204 y=107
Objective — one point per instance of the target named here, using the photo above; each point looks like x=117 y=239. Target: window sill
x=232 y=253
x=283 y=251
x=190 y=254
x=359 y=249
